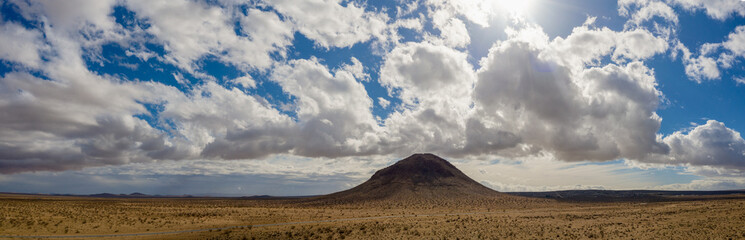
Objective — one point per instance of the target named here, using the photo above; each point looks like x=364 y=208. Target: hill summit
x=420 y=178
x=421 y=173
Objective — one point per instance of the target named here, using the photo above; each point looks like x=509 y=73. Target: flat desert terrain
x=420 y=197
x=715 y=217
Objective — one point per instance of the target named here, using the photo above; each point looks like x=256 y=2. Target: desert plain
x=716 y=217
x=420 y=197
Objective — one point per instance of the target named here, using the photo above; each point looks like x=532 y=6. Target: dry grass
x=705 y=219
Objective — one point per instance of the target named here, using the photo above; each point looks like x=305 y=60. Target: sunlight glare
x=515 y=7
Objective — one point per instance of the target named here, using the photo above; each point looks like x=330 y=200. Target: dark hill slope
x=422 y=180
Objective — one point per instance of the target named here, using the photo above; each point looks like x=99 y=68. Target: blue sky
x=299 y=98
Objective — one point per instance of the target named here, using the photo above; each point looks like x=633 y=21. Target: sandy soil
x=27 y=215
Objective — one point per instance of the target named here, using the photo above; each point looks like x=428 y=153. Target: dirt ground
x=30 y=215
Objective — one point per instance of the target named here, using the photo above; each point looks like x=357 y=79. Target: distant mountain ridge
x=631 y=195
x=132 y=195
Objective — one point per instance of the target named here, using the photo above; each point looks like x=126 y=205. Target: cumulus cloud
x=201 y=118
x=75 y=119
x=21 y=45
x=191 y=30
x=587 y=45
x=735 y=42
x=641 y=11
x=698 y=68
x=711 y=144
x=585 y=96
x=330 y=24
x=705 y=65
x=72 y=118
x=75 y=14
x=717 y=9
x=383 y=102
x=453 y=31
x=86 y=16
x=245 y=81
x=333 y=109
x=706 y=62
x=435 y=83
x=531 y=95
x=584 y=114
x=421 y=71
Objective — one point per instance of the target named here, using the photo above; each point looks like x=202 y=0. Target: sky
x=289 y=97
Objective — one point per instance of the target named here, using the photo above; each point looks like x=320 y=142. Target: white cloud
x=75 y=119
x=356 y=69
x=711 y=144
x=284 y=165
x=87 y=22
x=21 y=45
x=736 y=41
x=282 y=175
x=330 y=24
x=245 y=81
x=706 y=184
x=739 y=80
x=192 y=30
x=700 y=65
x=333 y=109
x=531 y=95
x=713 y=171
x=703 y=66
x=434 y=83
x=453 y=32
x=77 y=13
x=587 y=45
x=717 y=9
x=510 y=175
x=645 y=10
x=505 y=187
x=227 y=123
x=383 y=102
x=587 y=96
x=552 y=110
x=638 y=44
x=698 y=68
x=208 y=120
x=423 y=71
x=479 y=12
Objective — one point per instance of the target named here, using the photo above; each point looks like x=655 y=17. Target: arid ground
x=422 y=196
x=717 y=217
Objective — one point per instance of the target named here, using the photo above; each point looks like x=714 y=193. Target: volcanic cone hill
x=421 y=179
